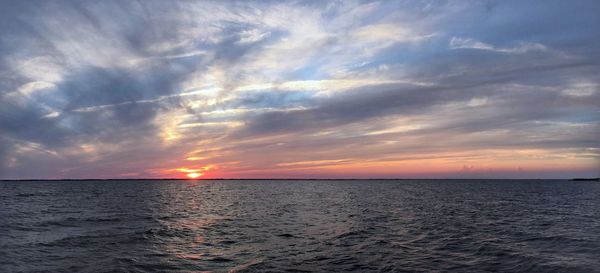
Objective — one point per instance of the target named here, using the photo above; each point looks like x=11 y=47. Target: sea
x=300 y=226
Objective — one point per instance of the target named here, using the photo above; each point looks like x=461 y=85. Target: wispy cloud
x=233 y=89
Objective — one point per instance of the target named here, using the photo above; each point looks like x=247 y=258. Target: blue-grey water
x=300 y=226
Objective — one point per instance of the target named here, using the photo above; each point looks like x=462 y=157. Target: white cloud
x=252 y=36
x=468 y=43
x=582 y=89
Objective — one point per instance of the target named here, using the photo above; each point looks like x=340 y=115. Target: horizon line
x=208 y=179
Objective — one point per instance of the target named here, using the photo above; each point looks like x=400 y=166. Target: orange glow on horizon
x=495 y=163
x=194 y=175
x=190 y=173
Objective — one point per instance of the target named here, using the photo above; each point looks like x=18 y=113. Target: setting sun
x=194 y=175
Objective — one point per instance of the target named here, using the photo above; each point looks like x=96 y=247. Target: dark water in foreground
x=300 y=226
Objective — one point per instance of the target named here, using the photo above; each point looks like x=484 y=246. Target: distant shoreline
x=585 y=179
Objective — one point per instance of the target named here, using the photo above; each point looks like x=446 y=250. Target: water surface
x=300 y=226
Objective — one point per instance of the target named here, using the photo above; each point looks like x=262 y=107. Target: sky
x=299 y=89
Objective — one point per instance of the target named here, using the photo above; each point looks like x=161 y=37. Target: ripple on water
x=300 y=226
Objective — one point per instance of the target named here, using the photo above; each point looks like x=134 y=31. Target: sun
x=194 y=175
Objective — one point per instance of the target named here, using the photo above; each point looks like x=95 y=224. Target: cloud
x=468 y=43
x=4 y=152
x=116 y=88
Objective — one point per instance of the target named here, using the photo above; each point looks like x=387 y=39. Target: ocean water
x=300 y=226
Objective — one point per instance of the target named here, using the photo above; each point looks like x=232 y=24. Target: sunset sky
x=299 y=89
